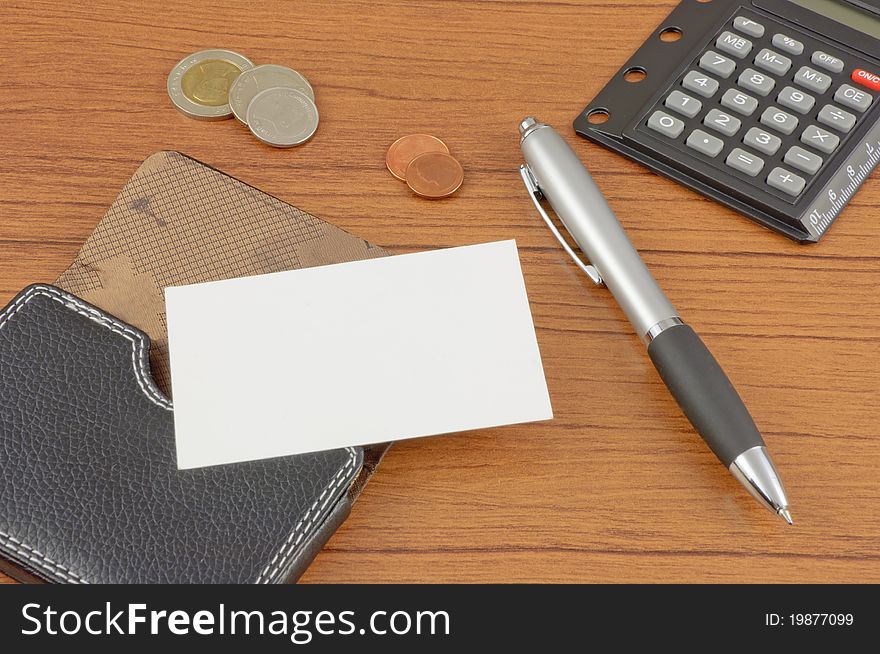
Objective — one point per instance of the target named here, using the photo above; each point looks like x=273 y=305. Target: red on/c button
x=865 y=78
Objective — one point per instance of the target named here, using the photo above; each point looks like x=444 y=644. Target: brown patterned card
x=178 y=221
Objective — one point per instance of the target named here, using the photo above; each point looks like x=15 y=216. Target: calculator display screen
x=846 y=13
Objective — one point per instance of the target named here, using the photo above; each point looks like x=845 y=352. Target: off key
x=865 y=78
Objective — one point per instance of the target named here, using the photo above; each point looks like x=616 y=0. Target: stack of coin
x=275 y=102
x=424 y=163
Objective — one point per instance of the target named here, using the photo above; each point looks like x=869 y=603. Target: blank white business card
x=352 y=354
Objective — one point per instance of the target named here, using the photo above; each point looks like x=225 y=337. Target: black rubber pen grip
x=704 y=392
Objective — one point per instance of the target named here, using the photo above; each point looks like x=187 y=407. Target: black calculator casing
x=662 y=65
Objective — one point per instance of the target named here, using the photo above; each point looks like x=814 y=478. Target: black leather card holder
x=89 y=487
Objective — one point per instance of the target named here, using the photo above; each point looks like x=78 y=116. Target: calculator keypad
x=852 y=97
x=700 y=83
x=773 y=62
x=764 y=105
x=683 y=104
x=812 y=79
x=739 y=102
x=841 y=120
x=718 y=65
x=788 y=44
x=791 y=98
x=756 y=82
x=722 y=122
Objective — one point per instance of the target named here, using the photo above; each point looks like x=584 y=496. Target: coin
x=260 y=78
x=407 y=148
x=434 y=175
x=199 y=84
x=282 y=117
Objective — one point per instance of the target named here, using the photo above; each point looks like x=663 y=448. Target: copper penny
x=407 y=148
x=434 y=175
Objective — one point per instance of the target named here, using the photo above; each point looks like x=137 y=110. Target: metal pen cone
x=755 y=470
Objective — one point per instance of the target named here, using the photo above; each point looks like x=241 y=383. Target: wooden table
x=618 y=487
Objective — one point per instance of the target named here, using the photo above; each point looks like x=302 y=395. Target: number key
x=791 y=98
x=700 y=84
x=683 y=104
x=779 y=120
x=665 y=124
x=717 y=64
x=739 y=102
x=756 y=82
x=722 y=122
x=762 y=141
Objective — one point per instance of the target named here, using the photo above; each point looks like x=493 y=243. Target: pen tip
x=786 y=516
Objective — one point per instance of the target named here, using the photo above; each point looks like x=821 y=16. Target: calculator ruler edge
x=850 y=176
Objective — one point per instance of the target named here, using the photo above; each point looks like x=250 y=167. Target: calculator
x=771 y=107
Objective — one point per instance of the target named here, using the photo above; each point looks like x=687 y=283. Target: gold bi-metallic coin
x=199 y=84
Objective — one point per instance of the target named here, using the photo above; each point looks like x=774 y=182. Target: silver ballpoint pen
x=553 y=171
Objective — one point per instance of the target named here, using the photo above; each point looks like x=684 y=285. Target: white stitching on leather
x=41 y=559
x=144 y=380
x=275 y=566
x=273 y=569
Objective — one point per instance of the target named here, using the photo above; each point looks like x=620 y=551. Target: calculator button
x=791 y=98
x=828 y=62
x=853 y=98
x=665 y=124
x=788 y=44
x=704 y=142
x=700 y=84
x=812 y=79
x=773 y=62
x=756 y=82
x=779 y=120
x=733 y=45
x=744 y=162
x=785 y=181
x=722 y=122
x=865 y=78
x=803 y=160
x=762 y=141
x=747 y=26
x=820 y=139
x=739 y=102
x=717 y=64
x=842 y=121
x=683 y=104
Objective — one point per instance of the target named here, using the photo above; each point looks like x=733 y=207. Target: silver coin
x=260 y=78
x=199 y=84
x=282 y=117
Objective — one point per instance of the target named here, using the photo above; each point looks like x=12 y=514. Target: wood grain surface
x=618 y=487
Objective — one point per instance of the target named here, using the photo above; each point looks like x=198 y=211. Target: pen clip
x=535 y=193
